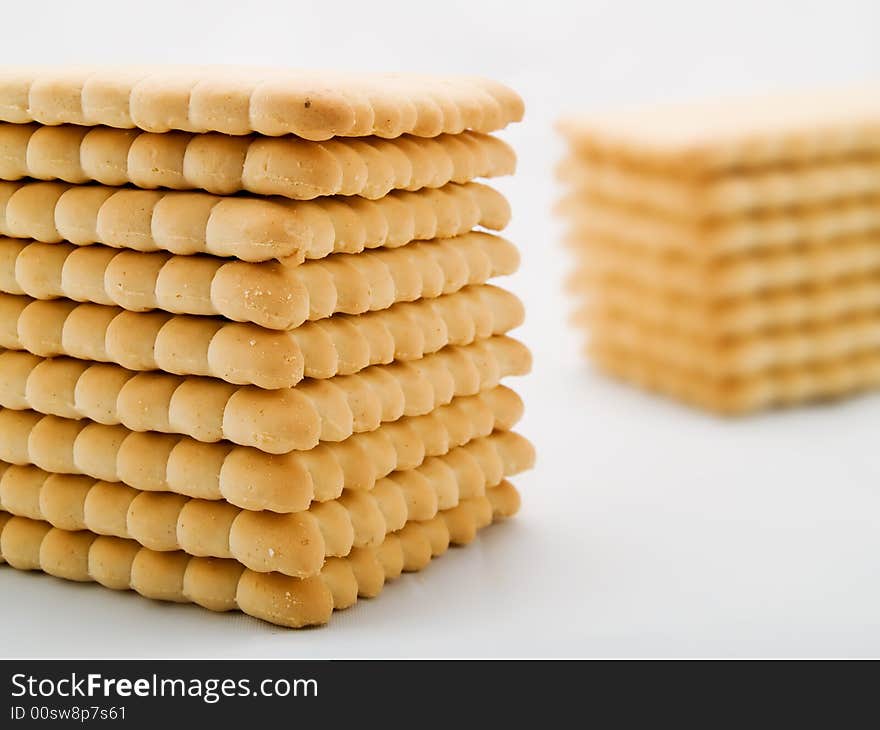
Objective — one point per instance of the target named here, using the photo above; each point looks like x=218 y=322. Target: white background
x=647 y=529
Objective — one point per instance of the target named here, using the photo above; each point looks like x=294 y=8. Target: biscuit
x=284 y=166
x=711 y=138
x=223 y=585
x=779 y=229
x=246 y=354
x=725 y=252
x=741 y=356
x=244 y=476
x=276 y=421
x=296 y=544
x=244 y=227
x=738 y=317
x=315 y=105
x=740 y=395
x=830 y=182
x=269 y=294
x=712 y=277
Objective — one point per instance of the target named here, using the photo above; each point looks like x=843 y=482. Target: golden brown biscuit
x=590 y=219
x=285 y=166
x=713 y=137
x=295 y=544
x=246 y=354
x=244 y=476
x=739 y=357
x=719 y=277
x=222 y=585
x=244 y=227
x=274 y=421
x=271 y=294
x=725 y=252
x=738 y=192
x=735 y=318
x=738 y=395
x=311 y=104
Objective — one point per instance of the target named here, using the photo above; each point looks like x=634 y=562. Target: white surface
x=646 y=529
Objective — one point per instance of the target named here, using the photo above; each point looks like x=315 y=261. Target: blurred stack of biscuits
x=728 y=253
x=251 y=355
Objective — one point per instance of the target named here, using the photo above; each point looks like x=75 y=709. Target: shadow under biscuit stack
x=728 y=254
x=251 y=355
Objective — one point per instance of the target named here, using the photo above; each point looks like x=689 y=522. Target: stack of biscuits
x=251 y=355
x=728 y=253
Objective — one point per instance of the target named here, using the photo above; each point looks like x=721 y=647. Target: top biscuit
x=314 y=105
x=718 y=136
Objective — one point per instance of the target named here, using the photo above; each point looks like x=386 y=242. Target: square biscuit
x=245 y=227
x=284 y=166
x=716 y=136
x=314 y=105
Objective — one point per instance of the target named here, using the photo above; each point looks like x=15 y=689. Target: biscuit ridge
x=216 y=163
x=314 y=105
x=244 y=227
